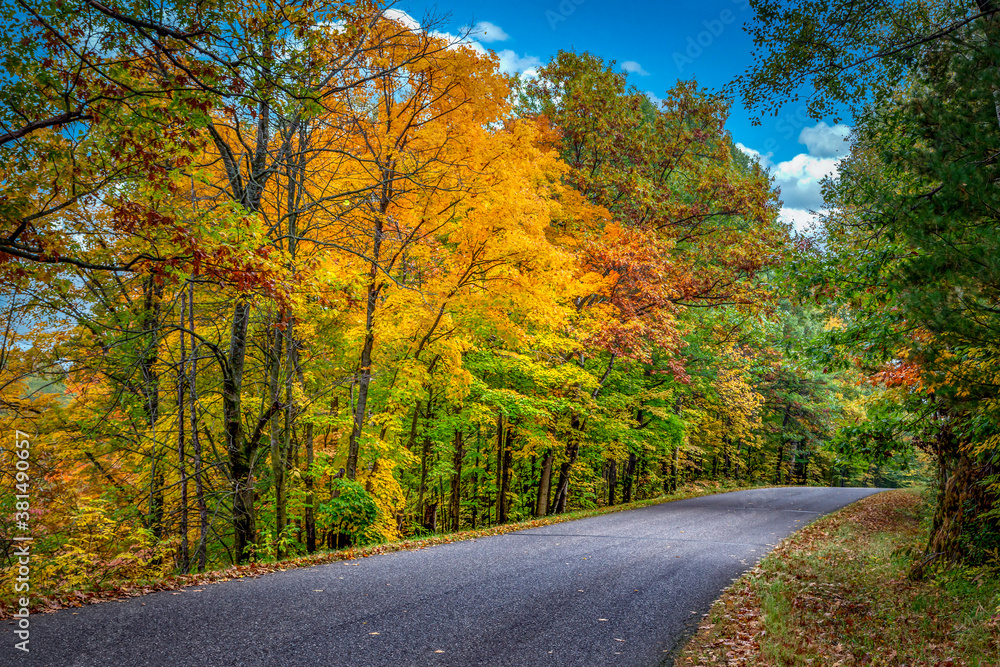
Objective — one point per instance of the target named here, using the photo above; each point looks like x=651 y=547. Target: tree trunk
x=430 y=517
x=505 y=487
x=288 y=448
x=150 y=318
x=456 y=482
x=542 y=504
x=310 y=483
x=246 y=189
x=199 y=484
x=488 y=505
x=674 y=470
x=425 y=463
x=781 y=447
x=739 y=459
x=572 y=452
x=793 y=447
x=475 y=484
x=240 y=452
x=963 y=496
x=629 y=479
x=503 y=460
x=365 y=362
x=956 y=485
x=777 y=467
x=277 y=453
x=611 y=468
x=183 y=555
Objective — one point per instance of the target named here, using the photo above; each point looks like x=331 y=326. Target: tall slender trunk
x=150 y=318
x=285 y=449
x=199 y=485
x=629 y=478
x=277 y=451
x=793 y=448
x=572 y=453
x=246 y=189
x=456 y=481
x=239 y=450
x=365 y=362
x=412 y=440
x=611 y=472
x=310 y=483
x=183 y=555
x=425 y=455
x=475 y=484
x=503 y=504
x=501 y=511
x=488 y=487
x=665 y=474
x=781 y=447
x=727 y=461
x=542 y=504
x=675 y=468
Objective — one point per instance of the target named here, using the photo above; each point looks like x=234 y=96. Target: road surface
x=617 y=589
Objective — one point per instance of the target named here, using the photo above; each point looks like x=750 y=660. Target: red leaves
x=898 y=373
x=637 y=307
x=132 y=217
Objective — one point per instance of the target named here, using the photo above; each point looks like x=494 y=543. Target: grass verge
x=836 y=594
x=43 y=601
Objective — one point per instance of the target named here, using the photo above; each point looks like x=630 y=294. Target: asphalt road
x=618 y=589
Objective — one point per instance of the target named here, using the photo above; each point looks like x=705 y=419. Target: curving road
x=618 y=589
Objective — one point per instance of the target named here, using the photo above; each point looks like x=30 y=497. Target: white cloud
x=801 y=177
x=454 y=42
x=765 y=160
x=488 y=32
x=632 y=67
x=511 y=63
x=654 y=99
x=825 y=141
x=800 y=220
x=402 y=17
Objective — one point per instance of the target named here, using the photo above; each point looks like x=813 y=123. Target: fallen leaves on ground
x=836 y=594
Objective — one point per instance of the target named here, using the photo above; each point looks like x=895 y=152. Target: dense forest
x=293 y=275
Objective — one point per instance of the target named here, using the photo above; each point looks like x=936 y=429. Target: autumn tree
x=913 y=221
x=687 y=227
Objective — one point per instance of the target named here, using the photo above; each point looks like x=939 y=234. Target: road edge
x=692 y=627
x=72 y=599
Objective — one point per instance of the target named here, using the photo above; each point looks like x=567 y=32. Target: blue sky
x=657 y=43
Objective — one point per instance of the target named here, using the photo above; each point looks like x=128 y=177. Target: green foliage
x=474 y=314
x=351 y=510
x=909 y=257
